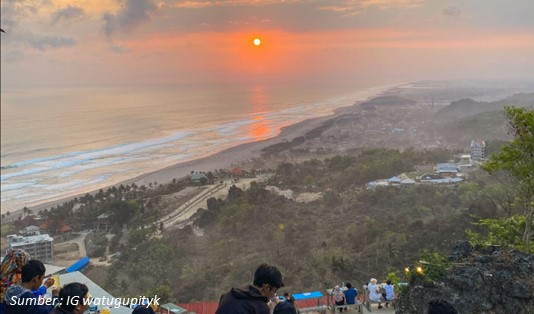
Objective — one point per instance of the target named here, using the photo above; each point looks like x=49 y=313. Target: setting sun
x=257 y=42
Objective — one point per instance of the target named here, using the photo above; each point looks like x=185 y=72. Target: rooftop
x=15 y=240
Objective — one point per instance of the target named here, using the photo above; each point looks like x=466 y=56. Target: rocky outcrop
x=490 y=280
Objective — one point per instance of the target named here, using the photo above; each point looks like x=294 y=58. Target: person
x=374 y=292
x=254 y=298
x=338 y=296
x=11 y=272
x=143 y=310
x=42 y=289
x=285 y=307
x=19 y=299
x=74 y=299
x=389 y=292
x=289 y=298
x=440 y=307
x=350 y=294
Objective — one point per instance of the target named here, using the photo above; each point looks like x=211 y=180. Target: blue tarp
x=78 y=265
x=307 y=295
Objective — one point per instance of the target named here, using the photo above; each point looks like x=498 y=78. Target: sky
x=76 y=43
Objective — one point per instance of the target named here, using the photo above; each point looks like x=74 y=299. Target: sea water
x=62 y=142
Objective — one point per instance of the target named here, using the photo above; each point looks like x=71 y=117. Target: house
x=102 y=223
x=447 y=170
x=236 y=172
x=198 y=178
x=64 y=229
x=30 y=230
x=39 y=246
x=478 y=148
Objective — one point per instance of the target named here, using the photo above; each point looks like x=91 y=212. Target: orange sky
x=85 y=42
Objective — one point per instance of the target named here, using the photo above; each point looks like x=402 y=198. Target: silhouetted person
x=253 y=299
x=72 y=298
x=440 y=307
x=143 y=310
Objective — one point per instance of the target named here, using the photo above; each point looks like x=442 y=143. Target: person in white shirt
x=375 y=292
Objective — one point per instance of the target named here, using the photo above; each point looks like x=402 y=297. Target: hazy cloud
x=14 y=10
x=119 y=49
x=44 y=42
x=132 y=14
x=68 y=13
x=452 y=11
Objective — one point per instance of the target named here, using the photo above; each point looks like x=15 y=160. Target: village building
x=40 y=246
x=478 y=149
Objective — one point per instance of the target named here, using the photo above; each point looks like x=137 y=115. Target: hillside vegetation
x=351 y=234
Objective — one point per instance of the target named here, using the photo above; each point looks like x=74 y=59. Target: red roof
x=64 y=228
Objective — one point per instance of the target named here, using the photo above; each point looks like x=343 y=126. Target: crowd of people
x=23 y=289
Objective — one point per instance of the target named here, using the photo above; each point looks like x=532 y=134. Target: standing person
x=11 y=270
x=254 y=298
x=75 y=299
x=19 y=299
x=350 y=294
x=374 y=292
x=338 y=296
x=389 y=292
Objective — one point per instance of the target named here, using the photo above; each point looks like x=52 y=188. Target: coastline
x=223 y=159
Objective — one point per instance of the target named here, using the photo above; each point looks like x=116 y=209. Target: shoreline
x=222 y=159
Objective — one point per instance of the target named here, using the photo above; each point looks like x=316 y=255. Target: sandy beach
x=223 y=159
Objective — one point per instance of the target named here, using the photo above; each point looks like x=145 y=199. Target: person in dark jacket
x=19 y=299
x=253 y=299
x=285 y=307
x=71 y=298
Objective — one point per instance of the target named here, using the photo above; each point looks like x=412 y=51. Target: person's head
x=32 y=274
x=373 y=281
x=440 y=307
x=75 y=292
x=142 y=309
x=284 y=308
x=348 y=285
x=268 y=279
x=336 y=288
x=388 y=282
x=11 y=273
x=286 y=295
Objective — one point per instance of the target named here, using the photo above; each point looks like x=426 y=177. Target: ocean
x=57 y=143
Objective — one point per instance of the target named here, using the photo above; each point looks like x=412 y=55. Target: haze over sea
x=57 y=143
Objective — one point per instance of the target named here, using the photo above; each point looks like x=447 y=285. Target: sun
x=256 y=41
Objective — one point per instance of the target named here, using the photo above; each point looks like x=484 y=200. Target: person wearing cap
x=254 y=298
x=19 y=299
x=74 y=298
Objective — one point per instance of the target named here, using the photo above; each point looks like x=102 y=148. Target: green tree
x=517 y=159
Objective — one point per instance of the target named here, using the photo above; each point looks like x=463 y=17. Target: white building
x=40 y=247
x=478 y=148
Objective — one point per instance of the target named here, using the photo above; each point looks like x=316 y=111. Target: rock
x=481 y=280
